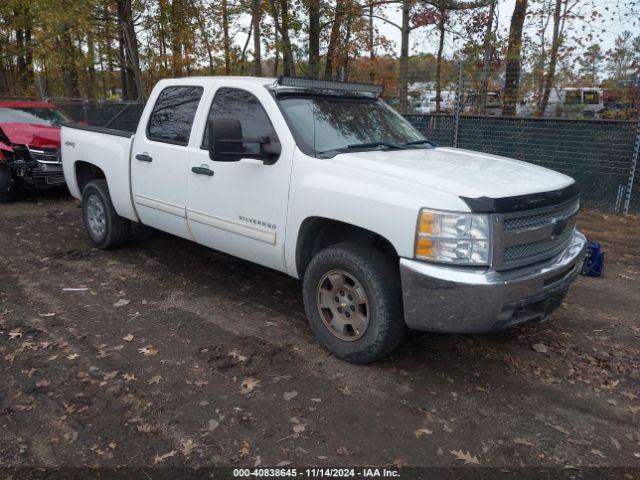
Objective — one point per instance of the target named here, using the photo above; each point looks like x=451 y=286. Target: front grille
x=523 y=238
x=527 y=250
x=521 y=222
x=45 y=155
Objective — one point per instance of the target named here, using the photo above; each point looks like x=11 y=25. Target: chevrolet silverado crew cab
x=325 y=182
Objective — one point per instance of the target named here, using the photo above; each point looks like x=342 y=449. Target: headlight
x=456 y=238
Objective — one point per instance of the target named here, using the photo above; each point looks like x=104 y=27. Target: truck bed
x=107 y=149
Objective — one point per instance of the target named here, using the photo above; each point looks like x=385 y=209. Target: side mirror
x=226 y=143
x=225 y=139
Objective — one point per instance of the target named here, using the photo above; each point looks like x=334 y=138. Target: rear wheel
x=353 y=301
x=7 y=184
x=106 y=229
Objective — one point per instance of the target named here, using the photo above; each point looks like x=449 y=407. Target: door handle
x=202 y=171
x=143 y=157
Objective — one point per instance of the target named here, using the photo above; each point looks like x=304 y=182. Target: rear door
x=241 y=207
x=160 y=160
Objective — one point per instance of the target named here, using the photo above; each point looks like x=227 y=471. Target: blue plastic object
x=593 y=265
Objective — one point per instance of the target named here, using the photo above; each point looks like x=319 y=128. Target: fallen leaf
x=43 y=383
x=342 y=451
x=121 y=303
x=213 y=424
x=345 y=391
x=523 y=441
x=235 y=354
x=290 y=395
x=13 y=334
x=599 y=453
x=245 y=450
x=163 y=457
x=148 y=351
x=154 y=379
x=187 y=447
x=540 y=347
x=400 y=463
x=128 y=338
x=73 y=356
x=284 y=463
x=145 y=428
x=111 y=375
x=129 y=377
x=634 y=410
x=248 y=384
x=421 y=432
x=299 y=428
x=46 y=314
x=466 y=457
x=615 y=443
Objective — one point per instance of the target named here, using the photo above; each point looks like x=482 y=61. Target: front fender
x=383 y=208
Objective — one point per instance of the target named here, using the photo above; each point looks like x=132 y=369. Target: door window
x=172 y=115
x=233 y=102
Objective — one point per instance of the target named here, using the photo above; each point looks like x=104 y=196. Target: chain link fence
x=586 y=132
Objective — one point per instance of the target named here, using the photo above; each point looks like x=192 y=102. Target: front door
x=240 y=207
x=160 y=161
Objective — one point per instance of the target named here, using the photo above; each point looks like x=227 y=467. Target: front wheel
x=353 y=300
x=106 y=229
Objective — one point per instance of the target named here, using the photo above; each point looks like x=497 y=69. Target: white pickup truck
x=325 y=182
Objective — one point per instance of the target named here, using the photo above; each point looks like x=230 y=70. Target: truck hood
x=34 y=135
x=458 y=172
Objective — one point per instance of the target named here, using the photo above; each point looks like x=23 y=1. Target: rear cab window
x=172 y=116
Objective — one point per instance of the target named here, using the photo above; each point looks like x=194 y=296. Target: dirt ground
x=167 y=353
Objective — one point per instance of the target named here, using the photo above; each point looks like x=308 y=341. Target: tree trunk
x=403 y=74
x=91 y=68
x=344 y=70
x=276 y=55
x=124 y=84
x=441 y=23
x=132 y=56
x=205 y=36
x=226 y=42
x=288 y=66
x=486 y=61
x=553 y=60
x=332 y=49
x=513 y=65
x=257 y=58
x=243 y=55
x=314 y=38
x=372 y=52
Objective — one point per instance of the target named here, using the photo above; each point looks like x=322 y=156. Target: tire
x=7 y=184
x=97 y=210
x=366 y=270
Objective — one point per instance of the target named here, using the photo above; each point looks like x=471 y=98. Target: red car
x=30 y=146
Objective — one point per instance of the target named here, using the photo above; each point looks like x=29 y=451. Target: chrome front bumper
x=440 y=298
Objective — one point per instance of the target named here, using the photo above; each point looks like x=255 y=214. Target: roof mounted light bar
x=328 y=85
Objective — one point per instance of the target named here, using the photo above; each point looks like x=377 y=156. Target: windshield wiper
x=419 y=142
x=381 y=143
x=356 y=146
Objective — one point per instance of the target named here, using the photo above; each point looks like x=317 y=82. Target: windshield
x=323 y=125
x=37 y=115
